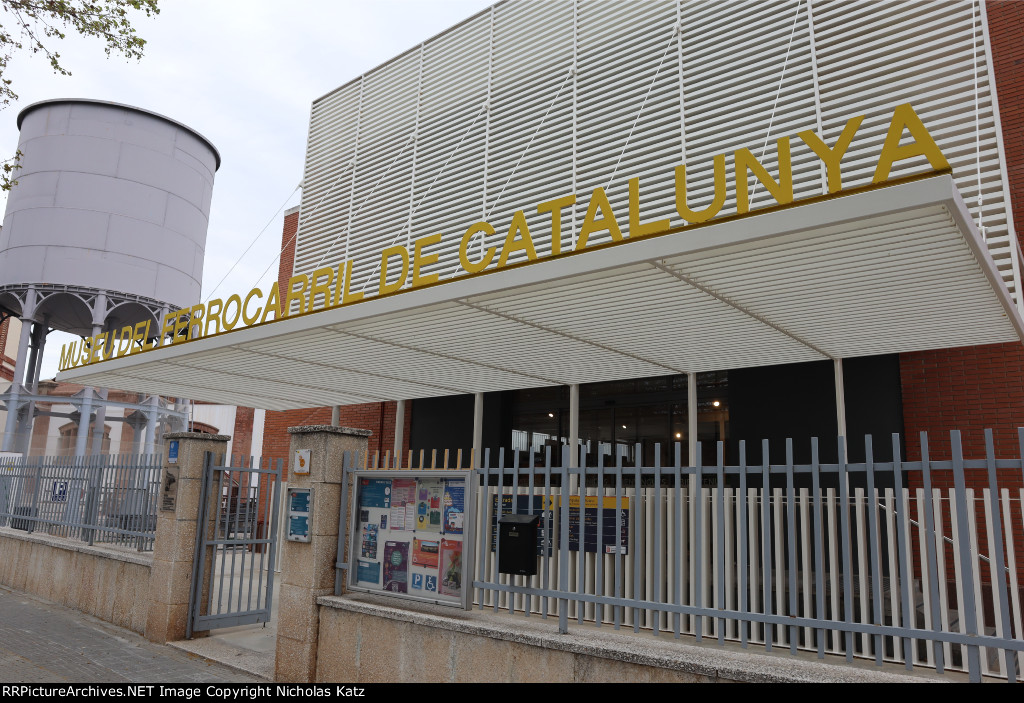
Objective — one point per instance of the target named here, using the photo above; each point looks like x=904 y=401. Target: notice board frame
x=383 y=545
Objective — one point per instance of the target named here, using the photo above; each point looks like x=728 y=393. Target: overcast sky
x=243 y=74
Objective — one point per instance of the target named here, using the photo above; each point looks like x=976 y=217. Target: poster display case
x=409 y=535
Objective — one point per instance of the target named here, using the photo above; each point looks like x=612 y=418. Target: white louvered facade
x=529 y=101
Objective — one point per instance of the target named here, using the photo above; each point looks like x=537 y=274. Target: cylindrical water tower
x=105 y=228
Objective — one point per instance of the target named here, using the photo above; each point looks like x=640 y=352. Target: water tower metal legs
x=151 y=417
x=37 y=339
x=13 y=409
x=84 y=419
x=14 y=405
x=98 y=423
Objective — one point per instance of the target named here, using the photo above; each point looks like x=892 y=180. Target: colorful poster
x=454 y=506
x=403 y=496
x=403 y=490
x=368 y=572
x=451 y=568
x=428 y=504
x=369 y=550
x=396 y=567
x=424 y=552
x=398 y=518
x=374 y=493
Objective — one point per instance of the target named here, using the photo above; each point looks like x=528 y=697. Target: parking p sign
x=60 y=491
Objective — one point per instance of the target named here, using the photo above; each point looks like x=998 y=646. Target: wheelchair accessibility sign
x=60 y=491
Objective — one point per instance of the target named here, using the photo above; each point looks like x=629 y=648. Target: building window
x=69 y=439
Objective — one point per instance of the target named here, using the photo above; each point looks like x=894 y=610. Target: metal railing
x=862 y=560
x=95 y=499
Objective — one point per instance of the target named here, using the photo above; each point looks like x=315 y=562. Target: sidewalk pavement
x=42 y=642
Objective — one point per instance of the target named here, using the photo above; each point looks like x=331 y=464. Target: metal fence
x=869 y=560
x=96 y=499
x=235 y=553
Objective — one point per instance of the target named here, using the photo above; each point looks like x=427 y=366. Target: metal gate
x=233 y=568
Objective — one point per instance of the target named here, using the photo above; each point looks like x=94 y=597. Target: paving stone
x=42 y=642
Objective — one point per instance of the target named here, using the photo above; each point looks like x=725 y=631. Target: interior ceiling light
x=716 y=403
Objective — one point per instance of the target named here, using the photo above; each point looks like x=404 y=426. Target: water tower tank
x=109 y=198
x=106 y=228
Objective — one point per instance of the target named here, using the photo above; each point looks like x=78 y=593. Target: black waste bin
x=517 y=544
x=24 y=512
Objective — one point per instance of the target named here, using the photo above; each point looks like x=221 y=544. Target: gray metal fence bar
x=195 y=604
x=780 y=620
x=678 y=564
x=720 y=483
x=497 y=518
x=875 y=565
x=275 y=499
x=530 y=494
x=766 y=544
x=638 y=613
x=35 y=496
x=483 y=521
x=967 y=567
x=581 y=557
x=931 y=556
x=339 y=561
x=659 y=594
x=599 y=558
x=261 y=497
x=791 y=542
x=547 y=546
x=698 y=542
x=618 y=552
x=819 y=558
x=904 y=557
x=844 y=500
x=515 y=511
x=998 y=570
x=563 y=547
x=741 y=506
x=220 y=525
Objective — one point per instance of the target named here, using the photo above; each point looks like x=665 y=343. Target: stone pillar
x=170 y=579
x=307 y=568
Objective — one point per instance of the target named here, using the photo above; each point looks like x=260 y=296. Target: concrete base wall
x=370 y=649
x=110 y=584
x=374 y=639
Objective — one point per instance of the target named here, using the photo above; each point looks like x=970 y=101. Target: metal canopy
x=892 y=269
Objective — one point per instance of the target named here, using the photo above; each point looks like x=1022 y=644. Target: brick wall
x=241 y=435
x=285 y=267
x=968 y=389
x=6 y=362
x=379 y=418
